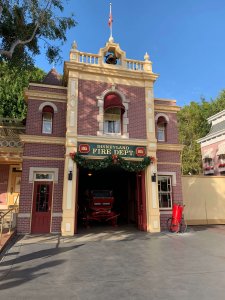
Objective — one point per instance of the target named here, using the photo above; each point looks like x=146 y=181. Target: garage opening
x=110 y=197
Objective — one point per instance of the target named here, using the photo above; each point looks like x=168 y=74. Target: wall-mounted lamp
x=70 y=175
x=154 y=177
x=90 y=174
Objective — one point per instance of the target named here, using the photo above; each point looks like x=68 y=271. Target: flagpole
x=110 y=13
x=110 y=22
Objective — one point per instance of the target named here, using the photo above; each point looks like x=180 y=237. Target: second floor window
x=113 y=114
x=112 y=121
x=161 y=129
x=47 y=118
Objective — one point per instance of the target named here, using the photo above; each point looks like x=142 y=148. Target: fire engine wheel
x=173 y=225
x=183 y=226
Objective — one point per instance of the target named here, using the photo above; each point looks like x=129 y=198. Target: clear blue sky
x=184 y=38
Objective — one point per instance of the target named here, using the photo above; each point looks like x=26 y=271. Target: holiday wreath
x=112 y=160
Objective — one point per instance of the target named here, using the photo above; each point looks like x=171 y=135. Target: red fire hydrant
x=176 y=217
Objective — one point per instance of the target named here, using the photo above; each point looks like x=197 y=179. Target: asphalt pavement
x=105 y=264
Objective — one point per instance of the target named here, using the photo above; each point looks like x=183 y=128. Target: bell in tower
x=110 y=58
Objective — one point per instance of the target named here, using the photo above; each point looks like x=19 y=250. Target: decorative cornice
x=211 y=136
x=42 y=158
x=10 y=159
x=167 y=108
x=44 y=96
x=42 y=139
x=84 y=70
x=111 y=140
x=170 y=147
x=11 y=149
x=48 y=86
x=168 y=163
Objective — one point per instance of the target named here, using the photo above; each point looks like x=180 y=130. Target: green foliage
x=24 y=23
x=193 y=125
x=111 y=160
x=13 y=80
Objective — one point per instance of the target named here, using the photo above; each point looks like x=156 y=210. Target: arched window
x=47 y=118
x=113 y=114
x=161 y=129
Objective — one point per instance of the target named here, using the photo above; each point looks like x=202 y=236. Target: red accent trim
x=84 y=148
x=113 y=101
x=144 y=215
x=140 y=151
x=76 y=203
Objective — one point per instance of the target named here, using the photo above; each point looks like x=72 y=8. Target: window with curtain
x=161 y=129
x=47 y=119
x=112 y=121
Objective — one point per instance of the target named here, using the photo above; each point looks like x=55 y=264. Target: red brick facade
x=34 y=119
x=26 y=199
x=88 y=109
x=90 y=120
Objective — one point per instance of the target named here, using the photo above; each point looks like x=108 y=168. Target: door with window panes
x=165 y=192
x=42 y=201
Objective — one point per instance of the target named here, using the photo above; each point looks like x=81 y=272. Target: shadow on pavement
x=39 y=254
x=17 y=277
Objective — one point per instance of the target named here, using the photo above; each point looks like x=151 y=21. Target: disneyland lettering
x=112 y=150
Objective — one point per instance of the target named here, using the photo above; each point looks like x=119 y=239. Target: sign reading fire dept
x=92 y=149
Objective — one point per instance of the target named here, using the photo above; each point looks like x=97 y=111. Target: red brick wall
x=171 y=129
x=48 y=89
x=136 y=111
x=27 y=193
x=34 y=119
x=88 y=108
x=4 y=177
x=168 y=156
x=44 y=150
x=56 y=225
x=176 y=190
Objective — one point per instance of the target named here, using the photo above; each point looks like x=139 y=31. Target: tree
x=193 y=125
x=13 y=80
x=24 y=23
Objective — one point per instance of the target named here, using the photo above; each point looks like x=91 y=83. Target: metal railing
x=8 y=220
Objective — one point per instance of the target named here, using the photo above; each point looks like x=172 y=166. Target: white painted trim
x=212 y=138
x=162 y=115
x=33 y=170
x=59 y=214
x=42 y=105
x=24 y=215
x=216 y=116
x=172 y=174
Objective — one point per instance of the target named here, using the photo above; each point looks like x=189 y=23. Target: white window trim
x=35 y=170
x=161 y=115
x=54 y=107
x=172 y=174
x=100 y=117
x=168 y=208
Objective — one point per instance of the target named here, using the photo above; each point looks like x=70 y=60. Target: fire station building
x=98 y=127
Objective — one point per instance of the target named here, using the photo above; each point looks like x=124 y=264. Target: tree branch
x=9 y=53
x=1 y=9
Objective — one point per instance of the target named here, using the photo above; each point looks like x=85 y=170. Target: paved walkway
x=121 y=264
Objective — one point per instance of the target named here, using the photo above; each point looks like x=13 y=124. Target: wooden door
x=141 y=201
x=14 y=188
x=41 y=214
